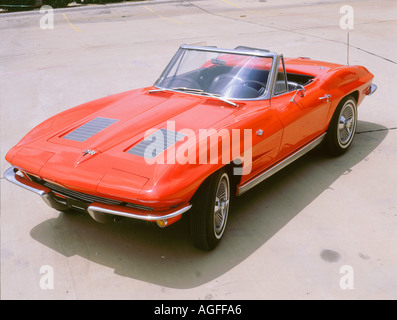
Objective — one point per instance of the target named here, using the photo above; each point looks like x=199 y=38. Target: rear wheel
x=342 y=127
x=210 y=211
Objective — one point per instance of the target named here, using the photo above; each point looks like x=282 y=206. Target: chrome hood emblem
x=88 y=151
x=82 y=158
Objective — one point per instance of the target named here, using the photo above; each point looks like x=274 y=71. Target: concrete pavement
x=289 y=238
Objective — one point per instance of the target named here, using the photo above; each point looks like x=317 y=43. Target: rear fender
x=345 y=81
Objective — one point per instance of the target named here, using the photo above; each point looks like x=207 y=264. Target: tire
x=210 y=211
x=342 y=128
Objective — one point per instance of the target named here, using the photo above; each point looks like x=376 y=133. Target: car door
x=303 y=114
x=266 y=133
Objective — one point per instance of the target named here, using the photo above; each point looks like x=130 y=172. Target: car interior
x=226 y=81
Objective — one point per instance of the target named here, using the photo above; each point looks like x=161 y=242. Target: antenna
x=348 y=46
x=347 y=22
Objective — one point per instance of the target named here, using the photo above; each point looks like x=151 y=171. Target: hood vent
x=156 y=143
x=89 y=129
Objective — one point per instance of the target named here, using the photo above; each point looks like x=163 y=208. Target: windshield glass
x=225 y=75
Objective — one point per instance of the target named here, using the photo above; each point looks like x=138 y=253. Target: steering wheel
x=257 y=85
x=222 y=82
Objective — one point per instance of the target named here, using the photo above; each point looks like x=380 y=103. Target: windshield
x=222 y=74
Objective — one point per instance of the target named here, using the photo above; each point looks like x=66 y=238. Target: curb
x=94 y=7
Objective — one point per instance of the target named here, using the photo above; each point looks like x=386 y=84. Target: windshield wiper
x=198 y=91
x=187 y=89
x=217 y=96
x=158 y=90
x=204 y=93
x=177 y=89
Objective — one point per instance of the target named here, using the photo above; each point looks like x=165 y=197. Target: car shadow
x=166 y=257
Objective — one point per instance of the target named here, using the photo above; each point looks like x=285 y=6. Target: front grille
x=88 y=198
x=79 y=195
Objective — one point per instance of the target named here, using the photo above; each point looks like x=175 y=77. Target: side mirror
x=301 y=90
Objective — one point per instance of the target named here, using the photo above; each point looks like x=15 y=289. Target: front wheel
x=210 y=211
x=342 y=127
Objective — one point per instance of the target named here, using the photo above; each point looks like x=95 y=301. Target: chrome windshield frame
x=246 y=51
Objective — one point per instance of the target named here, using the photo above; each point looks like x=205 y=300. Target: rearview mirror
x=302 y=91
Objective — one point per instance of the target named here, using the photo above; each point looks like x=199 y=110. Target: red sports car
x=215 y=124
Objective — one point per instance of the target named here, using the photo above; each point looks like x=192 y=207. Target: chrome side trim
x=266 y=174
x=93 y=209
x=10 y=175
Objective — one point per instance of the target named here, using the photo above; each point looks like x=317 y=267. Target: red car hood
x=135 y=114
x=60 y=159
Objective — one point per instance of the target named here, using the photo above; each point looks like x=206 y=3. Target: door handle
x=327 y=96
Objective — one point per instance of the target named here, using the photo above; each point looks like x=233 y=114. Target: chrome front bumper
x=371 y=89
x=10 y=175
x=101 y=212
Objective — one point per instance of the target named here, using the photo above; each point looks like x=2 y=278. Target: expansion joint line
x=287 y=30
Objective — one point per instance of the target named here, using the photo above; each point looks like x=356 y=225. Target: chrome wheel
x=346 y=124
x=210 y=210
x=221 y=207
x=342 y=127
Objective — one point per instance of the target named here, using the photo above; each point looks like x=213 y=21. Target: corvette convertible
x=215 y=124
